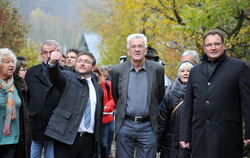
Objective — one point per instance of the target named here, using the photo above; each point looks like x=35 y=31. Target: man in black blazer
x=216 y=100
x=138 y=88
x=76 y=122
x=42 y=99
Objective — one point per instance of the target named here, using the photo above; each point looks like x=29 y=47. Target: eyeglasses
x=23 y=70
x=139 y=47
x=209 y=45
x=71 y=57
x=84 y=62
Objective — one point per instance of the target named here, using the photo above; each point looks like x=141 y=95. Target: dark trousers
x=83 y=147
x=107 y=138
x=7 y=151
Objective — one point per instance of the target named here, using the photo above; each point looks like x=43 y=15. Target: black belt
x=81 y=134
x=140 y=119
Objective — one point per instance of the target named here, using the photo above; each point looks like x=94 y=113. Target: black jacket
x=23 y=146
x=169 y=122
x=213 y=108
x=42 y=99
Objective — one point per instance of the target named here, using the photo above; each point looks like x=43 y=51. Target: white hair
x=137 y=35
x=192 y=53
x=7 y=53
x=185 y=63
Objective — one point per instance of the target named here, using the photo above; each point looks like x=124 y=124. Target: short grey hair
x=137 y=35
x=51 y=43
x=7 y=53
x=192 y=53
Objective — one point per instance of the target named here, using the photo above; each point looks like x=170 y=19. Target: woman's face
x=184 y=74
x=7 y=67
x=22 y=72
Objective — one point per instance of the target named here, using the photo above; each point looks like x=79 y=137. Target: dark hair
x=19 y=64
x=73 y=50
x=88 y=54
x=213 y=32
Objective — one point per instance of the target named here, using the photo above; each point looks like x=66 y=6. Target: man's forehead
x=48 y=47
x=213 y=37
x=84 y=57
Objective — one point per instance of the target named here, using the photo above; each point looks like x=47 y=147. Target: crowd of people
x=68 y=107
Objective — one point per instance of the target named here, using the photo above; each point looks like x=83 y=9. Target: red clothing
x=109 y=104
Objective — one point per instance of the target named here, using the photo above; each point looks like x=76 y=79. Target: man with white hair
x=138 y=88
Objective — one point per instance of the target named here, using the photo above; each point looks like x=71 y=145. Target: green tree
x=13 y=30
x=171 y=26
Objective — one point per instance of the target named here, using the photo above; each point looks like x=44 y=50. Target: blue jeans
x=107 y=138
x=37 y=148
x=136 y=138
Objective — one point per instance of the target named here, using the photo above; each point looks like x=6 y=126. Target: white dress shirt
x=92 y=94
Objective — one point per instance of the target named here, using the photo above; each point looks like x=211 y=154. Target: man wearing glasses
x=42 y=99
x=138 y=88
x=217 y=98
x=76 y=121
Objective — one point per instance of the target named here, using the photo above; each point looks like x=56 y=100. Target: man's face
x=71 y=59
x=213 y=46
x=46 y=51
x=84 y=64
x=137 y=50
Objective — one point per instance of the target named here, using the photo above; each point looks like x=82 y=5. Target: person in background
x=105 y=72
x=108 y=111
x=138 y=89
x=12 y=109
x=19 y=75
x=216 y=101
x=190 y=55
x=71 y=56
x=169 y=115
x=152 y=55
x=21 y=67
x=63 y=60
x=42 y=100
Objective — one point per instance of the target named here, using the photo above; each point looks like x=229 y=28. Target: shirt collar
x=132 y=68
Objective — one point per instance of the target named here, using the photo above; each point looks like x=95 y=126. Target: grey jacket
x=155 y=79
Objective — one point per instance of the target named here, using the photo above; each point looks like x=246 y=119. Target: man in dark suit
x=217 y=98
x=138 y=88
x=42 y=99
x=76 y=122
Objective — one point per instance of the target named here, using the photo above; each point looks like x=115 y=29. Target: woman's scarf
x=177 y=88
x=8 y=89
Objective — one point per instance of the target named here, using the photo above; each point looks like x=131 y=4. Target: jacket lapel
x=124 y=78
x=41 y=77
x=150 y=78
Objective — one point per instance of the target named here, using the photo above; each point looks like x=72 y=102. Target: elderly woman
x=169 y=115
x=10 y=105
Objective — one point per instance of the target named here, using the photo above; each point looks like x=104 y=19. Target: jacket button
x=207 y=102
x=209 y=83
x=207 y=122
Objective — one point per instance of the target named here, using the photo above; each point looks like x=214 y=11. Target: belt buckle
x=137 y=118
